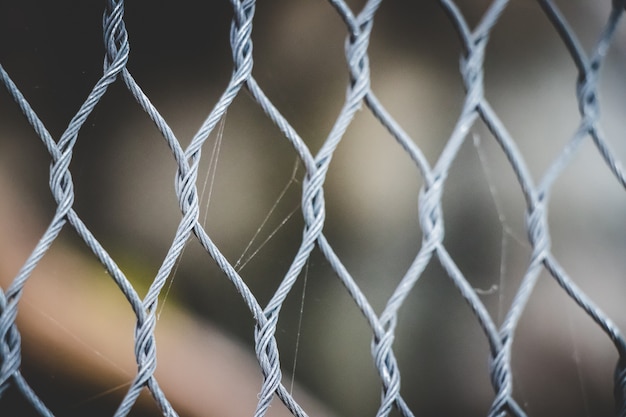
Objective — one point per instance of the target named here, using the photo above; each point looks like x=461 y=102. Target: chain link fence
x=317 y=158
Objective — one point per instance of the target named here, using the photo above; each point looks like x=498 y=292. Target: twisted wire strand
x=315 y=208
x=61 y=185
x=185 y=180
x=10 y=340
x=474 y=44
x=188 y=161
x=586 y=88
x=537 y=225
x=95 y=246
x=359 y=28
x=62 y=190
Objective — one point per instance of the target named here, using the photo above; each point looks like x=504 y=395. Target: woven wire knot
x=240 y=38
x=387 y=365
x=115 y=36
x=537 y=227
x=500 y=373
x=431 y=213
x=10 y=356
x=586 y=92
x=471 y=66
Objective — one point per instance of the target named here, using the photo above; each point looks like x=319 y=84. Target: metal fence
x=360 y=96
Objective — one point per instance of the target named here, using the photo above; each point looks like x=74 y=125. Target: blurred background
x=77 y=329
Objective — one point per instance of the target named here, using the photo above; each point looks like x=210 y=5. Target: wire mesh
x=360 y=96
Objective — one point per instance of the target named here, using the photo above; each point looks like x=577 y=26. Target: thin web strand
x=577 y=362
x=76 y=338
x=241 y=263
x=493 y=190
x=507 y=234
x=267 y=239
x=299 y=331
x=100 y=395
x=212 y=171
x=90 y=348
